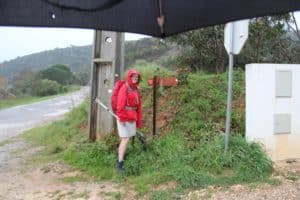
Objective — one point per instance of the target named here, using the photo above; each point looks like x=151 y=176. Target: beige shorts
x=126 y=129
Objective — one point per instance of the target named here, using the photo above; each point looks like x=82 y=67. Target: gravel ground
x=23 y=180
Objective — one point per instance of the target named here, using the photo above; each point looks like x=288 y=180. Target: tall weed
x=203 y=106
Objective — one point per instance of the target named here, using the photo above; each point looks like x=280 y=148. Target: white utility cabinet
x=273 y=108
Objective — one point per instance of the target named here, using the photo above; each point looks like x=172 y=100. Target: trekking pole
x=139 y=134
x=106 y=108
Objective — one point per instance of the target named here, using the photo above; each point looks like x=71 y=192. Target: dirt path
x=56 y=180
x=20 y=180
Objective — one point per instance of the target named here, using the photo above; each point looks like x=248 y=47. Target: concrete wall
x=263 y=107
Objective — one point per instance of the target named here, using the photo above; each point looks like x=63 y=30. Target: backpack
x=114 y=96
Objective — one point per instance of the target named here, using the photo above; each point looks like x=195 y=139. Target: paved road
x=16 y=120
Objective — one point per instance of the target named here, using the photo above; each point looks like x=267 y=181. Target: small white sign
x=235 y=36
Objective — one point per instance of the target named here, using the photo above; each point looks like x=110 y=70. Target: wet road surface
x=16 y=120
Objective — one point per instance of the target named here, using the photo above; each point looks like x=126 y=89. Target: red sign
x=164 y=81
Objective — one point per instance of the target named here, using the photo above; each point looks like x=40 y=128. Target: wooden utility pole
x=108 y=59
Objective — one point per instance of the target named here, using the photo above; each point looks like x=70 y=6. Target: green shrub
x=59 y=73
x=248 y=161
x=46 y=87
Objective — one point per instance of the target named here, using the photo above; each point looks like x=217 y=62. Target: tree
x=148 y=49
x=204 y=48
x=81 y=78
x=3 y=83
x=22 y=83
x=46 y=87
x=59 y=73
x=3 y=88
x=266 y=42
x=294 y=38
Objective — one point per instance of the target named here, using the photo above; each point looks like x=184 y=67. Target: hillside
x=78 y=58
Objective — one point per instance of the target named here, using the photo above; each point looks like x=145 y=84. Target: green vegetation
x=21 y=100
x=7 y=103
x=73 y=179
x=52 y=80
x=114 y=195
x=162 y=195
x=189 y=151
x=59 y=73
x=203 y=106
x=8 y=141
x=29 y=86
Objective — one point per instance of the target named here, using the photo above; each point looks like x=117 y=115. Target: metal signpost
x=235 y=36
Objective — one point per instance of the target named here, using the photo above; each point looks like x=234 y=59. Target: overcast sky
x=20 y=41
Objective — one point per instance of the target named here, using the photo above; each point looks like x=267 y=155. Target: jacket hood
x=129 y=74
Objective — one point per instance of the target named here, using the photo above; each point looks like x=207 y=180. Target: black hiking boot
x=120 y=166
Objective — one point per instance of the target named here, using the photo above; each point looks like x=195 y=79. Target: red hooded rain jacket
x=129 y=105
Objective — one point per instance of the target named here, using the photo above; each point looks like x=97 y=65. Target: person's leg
x=125 y=130
x=121 y=153
x=122 y=148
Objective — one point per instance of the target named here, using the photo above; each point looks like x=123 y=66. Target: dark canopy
x=138 y=16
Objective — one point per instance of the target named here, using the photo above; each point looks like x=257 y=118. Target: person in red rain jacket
x=129 y=112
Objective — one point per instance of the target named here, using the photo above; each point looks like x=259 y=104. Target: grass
x=191 y=153
x=8 y=141
x=74 y=179
x=203 y=106
x=162 y=195
x=115 y=195
x=7 y=103
x=82 y=195
x=292 y=176
x=22 y=100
